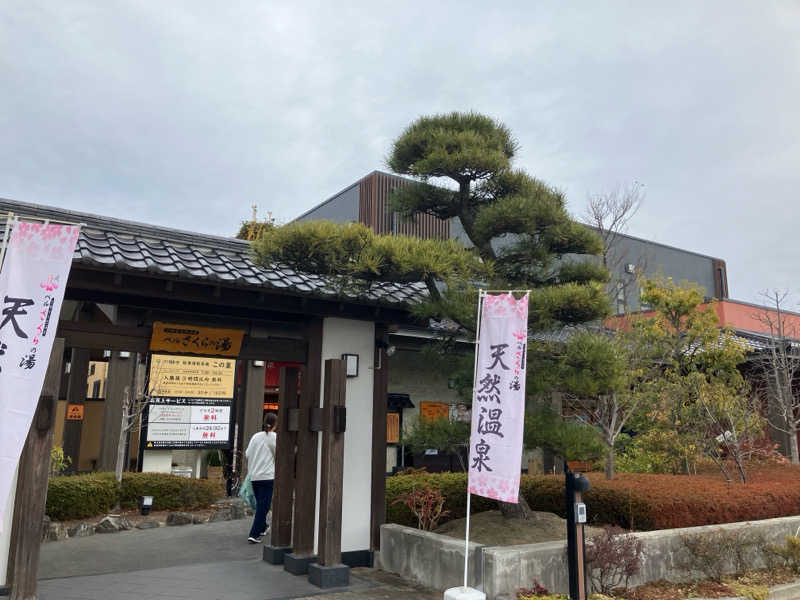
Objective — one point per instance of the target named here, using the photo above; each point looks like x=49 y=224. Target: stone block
x=108 y=524
x=55 y=532
x=274 y=555
x=297 y=565
x=332 y=576
x=198 y=519
x=81 y=530
x=221 y=513
x=148 y=524
x=179 y=518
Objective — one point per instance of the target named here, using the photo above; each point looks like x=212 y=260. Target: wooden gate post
x=305 y=492
x=329 y=570
x=76 y=394
x=34 y=468
x=280 y=540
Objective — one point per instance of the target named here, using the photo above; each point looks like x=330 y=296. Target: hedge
x=82 y=496
x=632 y=501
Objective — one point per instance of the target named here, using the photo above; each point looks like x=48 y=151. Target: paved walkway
x=199 y=562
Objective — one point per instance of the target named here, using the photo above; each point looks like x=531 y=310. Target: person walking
x=260 y=455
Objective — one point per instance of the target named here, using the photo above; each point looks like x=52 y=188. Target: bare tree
x=608 y=214
x=134 y=403
x=778 y=365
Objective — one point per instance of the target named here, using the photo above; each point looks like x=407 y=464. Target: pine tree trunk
x=520 y=510
x=610 y=463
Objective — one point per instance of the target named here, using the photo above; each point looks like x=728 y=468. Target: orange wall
x=741 y=316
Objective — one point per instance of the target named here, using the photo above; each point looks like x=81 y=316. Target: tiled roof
x=116 y=245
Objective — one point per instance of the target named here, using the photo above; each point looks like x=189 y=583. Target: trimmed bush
x=82 y=496
x=632 y=501
x=169 y=492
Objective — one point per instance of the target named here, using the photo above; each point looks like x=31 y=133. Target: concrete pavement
x=212 y=561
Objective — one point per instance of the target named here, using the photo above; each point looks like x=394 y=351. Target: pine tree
x=519 y=232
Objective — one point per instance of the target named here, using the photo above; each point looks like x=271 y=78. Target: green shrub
x=169 y=492
x=453 y=486
x=80 y=496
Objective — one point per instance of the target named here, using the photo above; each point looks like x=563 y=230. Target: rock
x=81 y=530
x=198 y=519
x=179 y=518
x=109 y=524
x=237 y=509
x=55 y=532
x=124 y=524
x=148 y=524
x=221 y=513
x=45 y=527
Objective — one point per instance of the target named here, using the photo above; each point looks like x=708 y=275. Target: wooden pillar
x=306 y=477
x=31 y=494
x=283 y=494
x=331 y=483
x=253 y=413
x=76 y=394
x=380 y=395
x=121 y=373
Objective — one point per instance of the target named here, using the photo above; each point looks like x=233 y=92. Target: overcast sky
x=187 y=113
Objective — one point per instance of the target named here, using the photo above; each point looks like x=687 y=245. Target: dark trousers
x=263 y=492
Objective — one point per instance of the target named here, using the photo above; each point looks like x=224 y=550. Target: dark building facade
x=367 y=201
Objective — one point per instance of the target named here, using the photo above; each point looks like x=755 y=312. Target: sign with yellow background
x=191 y=376
x=168 y=337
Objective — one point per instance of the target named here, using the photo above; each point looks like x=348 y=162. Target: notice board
x=191 y=402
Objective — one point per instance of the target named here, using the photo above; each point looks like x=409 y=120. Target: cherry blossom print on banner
x=498 y=401
x=32 y=282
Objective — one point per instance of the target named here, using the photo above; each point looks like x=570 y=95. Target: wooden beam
x=283 y=494
x=144 y=290
x=253 y=400
x=306 y=480
x=331 y=482
x=102 y=336
x=31 y=495
x=380 y=395
x=121 y=374
x=280 y=349
x=76 y=394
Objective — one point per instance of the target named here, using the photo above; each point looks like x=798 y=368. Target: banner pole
x=474 y=388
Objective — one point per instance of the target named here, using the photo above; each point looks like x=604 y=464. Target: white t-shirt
x=260 y=455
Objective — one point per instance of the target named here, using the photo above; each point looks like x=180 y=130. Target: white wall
x=157 y=461
x=346 y=336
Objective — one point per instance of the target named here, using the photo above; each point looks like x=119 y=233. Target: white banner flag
x=498 y=402
x=32 y=282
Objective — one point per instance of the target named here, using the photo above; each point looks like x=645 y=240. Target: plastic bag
x=246 y=492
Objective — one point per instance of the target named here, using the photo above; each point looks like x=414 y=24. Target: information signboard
x=191 y=402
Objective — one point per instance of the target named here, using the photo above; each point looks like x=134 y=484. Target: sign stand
x=465 y=592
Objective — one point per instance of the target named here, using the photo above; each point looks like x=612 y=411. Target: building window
x=96 y=389
x=621 y=304
x=91 y=369
x=644 y=306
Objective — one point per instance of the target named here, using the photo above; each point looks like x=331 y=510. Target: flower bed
x=632 y=501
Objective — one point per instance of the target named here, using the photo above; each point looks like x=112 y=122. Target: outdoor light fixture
x=390 y=350
x=124 y=354
x=145 y=504
x=258 y=363
x=351 y=361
